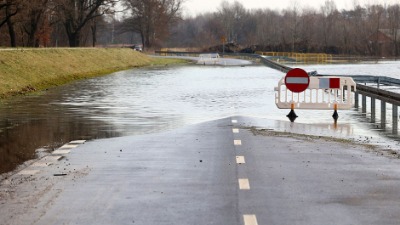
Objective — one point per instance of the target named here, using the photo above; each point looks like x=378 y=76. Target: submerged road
x=219 y=172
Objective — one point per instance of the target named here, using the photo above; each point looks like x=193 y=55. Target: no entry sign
x=297 y=80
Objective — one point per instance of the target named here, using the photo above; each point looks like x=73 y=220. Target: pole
x=223 y=47
x=395 y=117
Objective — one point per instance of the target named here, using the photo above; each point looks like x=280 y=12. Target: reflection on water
x=146 y=101
x=29 y=123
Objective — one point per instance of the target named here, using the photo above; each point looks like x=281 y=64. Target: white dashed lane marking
x=240 y=160
x=68 y=146
x=250 y=220
x=79 y=142
x=66 y=149
x=28 y=172
x=61 y=152
x=50 y=160
x=237 y=142
x=42 y=164
x=244 y=184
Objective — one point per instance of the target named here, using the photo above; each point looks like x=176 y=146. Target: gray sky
x=194 y=7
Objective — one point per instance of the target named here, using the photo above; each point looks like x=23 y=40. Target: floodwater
x=141 y=101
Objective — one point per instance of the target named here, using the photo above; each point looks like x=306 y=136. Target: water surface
x=141 y=101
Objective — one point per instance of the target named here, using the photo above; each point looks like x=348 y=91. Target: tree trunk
x=10 y=26
x=94 y=33
x=143 y=42
x=147 y=40
x=74 y=39
x=11 y=32
x=32 y=38
x=32 y=31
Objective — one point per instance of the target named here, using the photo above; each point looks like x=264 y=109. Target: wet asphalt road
x=218 y=172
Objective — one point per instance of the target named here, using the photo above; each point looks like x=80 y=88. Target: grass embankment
x=28 y=70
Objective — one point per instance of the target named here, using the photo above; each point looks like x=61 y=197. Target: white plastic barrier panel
x=212 y=58
x=322 y=93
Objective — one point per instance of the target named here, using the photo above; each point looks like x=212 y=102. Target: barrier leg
x=292 y=115
x=335 y=114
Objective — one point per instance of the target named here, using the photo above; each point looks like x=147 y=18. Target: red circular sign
x=297 y=80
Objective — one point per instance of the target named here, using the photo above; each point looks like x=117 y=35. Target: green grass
x=27 y=70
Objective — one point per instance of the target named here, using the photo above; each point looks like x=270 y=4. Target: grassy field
x=27 y=70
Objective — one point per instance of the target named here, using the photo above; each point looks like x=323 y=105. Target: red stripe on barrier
x=334 y=83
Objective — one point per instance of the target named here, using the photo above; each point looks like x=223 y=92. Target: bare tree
x=394 y=26
x=233 y=18
x=328 y=20
x=8 y=10
x=152 y=18
x=268 y=28
x=291 y=28
x=76 y=14
x=32 y=20
x=376 y=13
x=308 y=24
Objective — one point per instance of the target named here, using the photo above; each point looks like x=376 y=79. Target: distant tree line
x=34 y=23
x=77 y=23
x=363 y=30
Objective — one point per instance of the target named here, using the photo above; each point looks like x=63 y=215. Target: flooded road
x=145 y=101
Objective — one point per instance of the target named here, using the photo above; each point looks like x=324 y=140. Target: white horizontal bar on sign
x=297 y=80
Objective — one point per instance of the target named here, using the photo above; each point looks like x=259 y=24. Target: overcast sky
x=194 y=7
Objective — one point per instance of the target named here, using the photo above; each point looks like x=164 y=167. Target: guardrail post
x=395 y=116
x=379 y=82
x=364 y=103
x=373 y=110
x=383 y=114
x=356 y=104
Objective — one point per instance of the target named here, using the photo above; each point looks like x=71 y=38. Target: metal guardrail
x=383 y=95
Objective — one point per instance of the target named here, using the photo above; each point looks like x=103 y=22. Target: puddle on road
x=145 y=101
